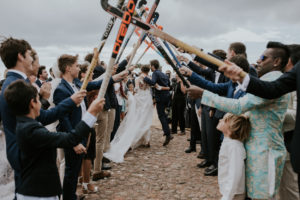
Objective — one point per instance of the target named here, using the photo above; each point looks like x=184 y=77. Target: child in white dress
x=231 y=166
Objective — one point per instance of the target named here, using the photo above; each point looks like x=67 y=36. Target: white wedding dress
x=134 y=130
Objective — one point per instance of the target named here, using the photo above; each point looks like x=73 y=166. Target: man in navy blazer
x=16 y=55
x=162 y=97
x=69 y=84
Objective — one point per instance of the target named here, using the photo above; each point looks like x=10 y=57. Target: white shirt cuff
x=245 y=83
x=89 y=119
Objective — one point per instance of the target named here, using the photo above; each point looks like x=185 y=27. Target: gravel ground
x=158 y=173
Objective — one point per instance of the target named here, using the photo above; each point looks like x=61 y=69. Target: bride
x=135 y=128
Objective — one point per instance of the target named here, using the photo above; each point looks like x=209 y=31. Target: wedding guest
x=70 y=84
x=42 y=76
x=194 y=124
x=86 y=165
x=39 y=174
x=231 y=176
x=271 y=90
x=265 y=146
x=289 y=182
x=16 y=56
x=238 y=48
x=106 y=124
x=178 y=106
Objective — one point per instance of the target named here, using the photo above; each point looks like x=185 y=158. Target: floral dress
x=265 y=146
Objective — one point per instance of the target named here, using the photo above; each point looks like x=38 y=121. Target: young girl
x=231 y=177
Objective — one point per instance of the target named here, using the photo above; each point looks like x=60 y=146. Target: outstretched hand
x=232 y=71
x=194 y=92
x=77 y=97
x=185 y=71
x=182 y=58
x=120 y=76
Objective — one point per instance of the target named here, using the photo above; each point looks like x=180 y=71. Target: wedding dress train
x=135 y=127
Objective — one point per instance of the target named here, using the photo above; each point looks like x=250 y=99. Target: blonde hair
x=239 y=126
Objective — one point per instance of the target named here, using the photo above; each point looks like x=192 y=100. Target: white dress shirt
x=231 y=168
x=82 y=104
x=245 y=83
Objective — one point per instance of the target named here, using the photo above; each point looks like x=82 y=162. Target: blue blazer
x=162 y=80
x=9 y=120
x=63 y=91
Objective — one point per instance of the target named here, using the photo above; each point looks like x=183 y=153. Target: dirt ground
x=158 y=173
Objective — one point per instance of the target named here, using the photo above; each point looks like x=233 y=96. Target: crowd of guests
x=56 y=133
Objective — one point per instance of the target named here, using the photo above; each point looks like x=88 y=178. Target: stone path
x=158 y=173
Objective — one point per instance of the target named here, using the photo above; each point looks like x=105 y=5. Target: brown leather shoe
x=101 y=175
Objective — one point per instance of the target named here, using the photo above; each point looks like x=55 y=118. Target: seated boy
x=39 y=174
x=231 y=177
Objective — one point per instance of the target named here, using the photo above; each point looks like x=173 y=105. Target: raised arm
x=235 y=106
x=152 y=81
x=274 y=89
x=219 y=88
x=197 y=69
x=266 y=89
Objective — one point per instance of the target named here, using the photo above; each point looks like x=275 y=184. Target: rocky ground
x=158 y=173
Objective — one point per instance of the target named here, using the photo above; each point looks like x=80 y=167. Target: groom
x=162 y=97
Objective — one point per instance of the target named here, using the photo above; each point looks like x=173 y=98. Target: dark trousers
x=205 y=120
x=195 y=128
x=117 y=122
x=17 y=177
x=160 y=107
x=178 y=106
x=213 y=141
x=73 y=165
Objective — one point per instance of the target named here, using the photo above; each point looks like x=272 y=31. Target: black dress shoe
x=105 y=160
x=190 y=150
x=211 y=167
x=203 y=164
x=211 y=171
x=167 y=140
x=201 y=155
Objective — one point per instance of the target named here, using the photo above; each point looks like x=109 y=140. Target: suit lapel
x=67 y=85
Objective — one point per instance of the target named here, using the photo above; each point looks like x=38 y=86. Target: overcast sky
x=55 y=27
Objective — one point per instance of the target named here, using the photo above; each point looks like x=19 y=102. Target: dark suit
x=9 y=123
x=205 y=119
x=66 y=124
x=162 y=97
x=39 y=174
x=178 y=108
x=288 y=82
x=38 y=82
x=211 y=137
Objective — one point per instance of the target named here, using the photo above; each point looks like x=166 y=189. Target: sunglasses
x=263 y=57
